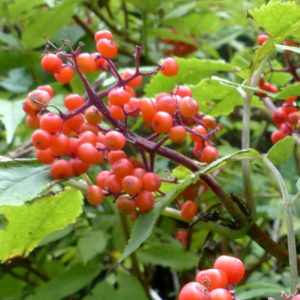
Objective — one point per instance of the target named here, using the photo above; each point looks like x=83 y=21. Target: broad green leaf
x=22 y=180
x=180 y=259
x=9 y=39
x=11 y=287
x=209 y=89
x=11 y=115
x=191 y=71
x=290 y=90
x=91 y=244
x=18 y=81
x=67 y=283
x=16 y=59
x=180 y=11
x=129 y=287
x=56 y=235
x=47 y=24
x=30 y=223
x=282 y=151
x=146 y=221
x=20 y=10
x=268 y=15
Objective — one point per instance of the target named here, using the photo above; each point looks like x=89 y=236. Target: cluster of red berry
x=180 y=49
x=78 y=136
x=285 y=117
x=216 y=283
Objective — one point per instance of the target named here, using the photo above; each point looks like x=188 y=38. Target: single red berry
x=277 y=136
x=46 y=88
x=45 y=156
x=103 y=34
x=132 y=184
x=145 y=201
x=209 y=154
x=41 y=139
x=65 y=75
x=135 y=82
x=33 y=122
x=86 y=63
x=232 y=266
x=182 y=91
x=38 y=99
x=125 y=205
x=114 y=140
x=51 y=122
x=170 y=67
x=61 y=169
x=189 y=210
x=188 y=107
x=262 y=38
x=107 y=48
x=51 y=63
x=78 y=166
x=212 y=279
x=151 y=182
x=220 y=294
x=279 y=116
x=119 y=97
x=162 y=122
x=94 y=195
x=177 y=134
x=194 y=291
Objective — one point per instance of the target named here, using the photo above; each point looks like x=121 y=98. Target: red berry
x=232 y=266
x=277 y=136
x=61 y=169
x=65 y=75
x=279 y=116
x=177 y=134
x=189 y=210
x=122 y=167
x=151 y=182
x=51 y=63
x=220 y=294
x=33 y=122
x=194 y=291
x=162 y=122
x=170 y=67
x=209 y=154
x=212 y=279
x=51 y=122
x=262 y=38
x=86 y=63
x=134 y=83
x=78 y=166
x=107 y=48
x=125 y=205
x=145 y=201
x=103 y=34
x=188 y=107
x=114 y=140
x=73 y=101
x=45 y=156
x=132 y=185
x=46 y=88
x=94 y=195
x=41 y=139
x=119 y=97
x=37 y=98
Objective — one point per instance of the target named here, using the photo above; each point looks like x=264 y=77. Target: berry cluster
x=180 y=49
x=285 y=117
x=216 y=283
x=80 y=137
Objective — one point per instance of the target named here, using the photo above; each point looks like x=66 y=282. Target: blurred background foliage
x=69 y=264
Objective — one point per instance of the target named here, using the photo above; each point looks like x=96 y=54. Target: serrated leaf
x=191 y=71
x=11 y=116
x=209 y=89
x=30 y=223
x=21 y=180
x=290 y=90
x=67 y=283
x=268 y=15
x=180 y=260
x=146 y=221
x=46 y=24
x=93 y=243
x=282 y=151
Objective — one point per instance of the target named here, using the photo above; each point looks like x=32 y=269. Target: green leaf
x=93 y=243
x=67 y=283
x=298 y=184
x=146 y=221
x=47 y=24
x=11 y=287
x=191 y=71
x=180 y=11
x=268 y=15
x=21 y=180
x=9 y=39
x=281 y=152
x=129 y=288
x=290 y=90
x=209 y=89
x=283 y=47
x=180 y=259
x=56 y=235
x=30 y=223
x=18 y=81
x=11 y=116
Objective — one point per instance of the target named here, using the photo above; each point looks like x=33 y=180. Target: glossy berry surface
x=194 y=291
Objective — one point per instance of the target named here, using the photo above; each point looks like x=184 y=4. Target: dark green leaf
x=180 y=259
x=69 y=282
x=290 y=90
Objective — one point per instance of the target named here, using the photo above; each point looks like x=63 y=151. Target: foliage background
x=73 y=248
